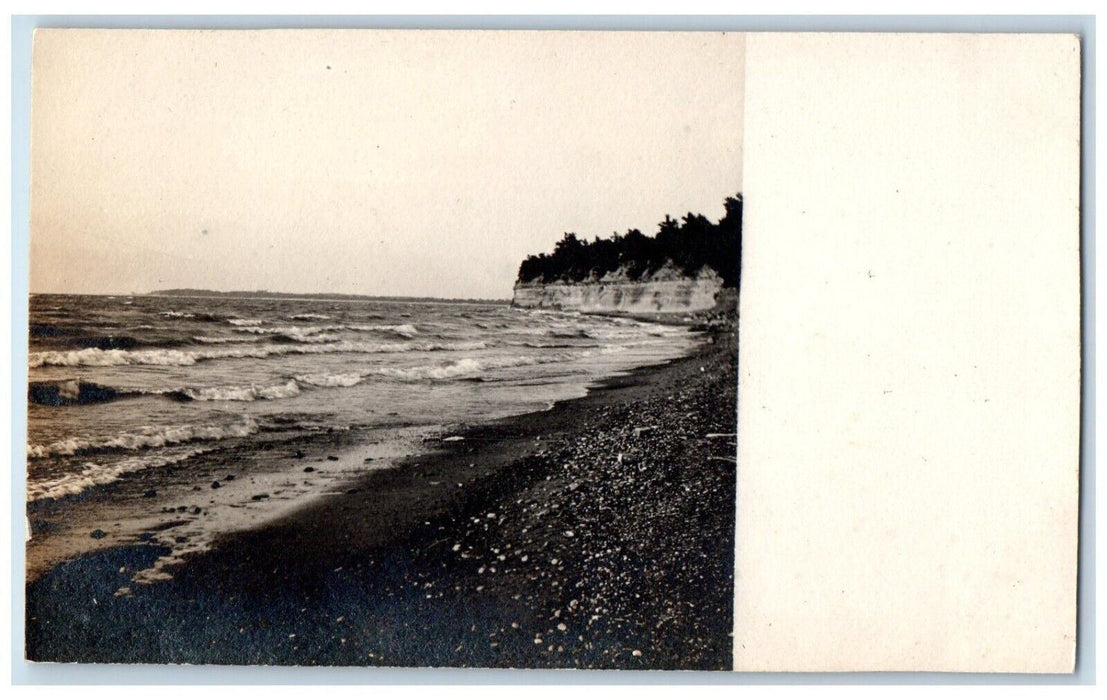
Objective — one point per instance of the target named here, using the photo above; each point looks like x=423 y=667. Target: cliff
x=664 y=292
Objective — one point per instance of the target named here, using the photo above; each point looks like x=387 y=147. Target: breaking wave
x=144 y=438
x=298 y=332
x=311 y=334
x=327 y=380
x=465 y=367
x=469 y=366
x=407 y=330
x=94 y=357
x=92 y=475
x=239 y=393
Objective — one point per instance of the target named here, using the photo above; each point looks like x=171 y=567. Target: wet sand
x=598 y=534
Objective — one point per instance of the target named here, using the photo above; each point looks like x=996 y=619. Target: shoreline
x=596 y=534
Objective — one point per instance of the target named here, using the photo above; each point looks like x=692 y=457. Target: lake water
x=172 y=419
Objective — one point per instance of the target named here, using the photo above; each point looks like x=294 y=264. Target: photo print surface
x=384 y=348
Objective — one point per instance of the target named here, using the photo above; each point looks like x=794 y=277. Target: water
x=137 y=405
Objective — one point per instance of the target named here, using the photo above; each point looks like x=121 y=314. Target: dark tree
x=689 y=245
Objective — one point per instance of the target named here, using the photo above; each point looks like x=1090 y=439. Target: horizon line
x=200 y=293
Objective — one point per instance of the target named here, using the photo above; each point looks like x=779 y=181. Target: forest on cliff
x=689 y=245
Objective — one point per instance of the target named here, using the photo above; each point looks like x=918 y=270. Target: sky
x=410 y=163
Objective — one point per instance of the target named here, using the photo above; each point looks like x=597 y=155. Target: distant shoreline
x=289 y=296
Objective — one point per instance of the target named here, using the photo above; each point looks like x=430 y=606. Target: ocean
x=170 y=420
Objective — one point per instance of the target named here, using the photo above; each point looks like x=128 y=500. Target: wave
x=318 y=339
x=93 y=357
x=470 y=367
x=405 y=329
x=447 y=371
x=177 y=314
x=309 y=317
x=92 y=475
x=310 y=334
x=244 y=322
x=75 y=392
x=238 y=393
x=145 y=438
x=78 y=337
x=220 y=340
x=328 y=380
x=294 y=334
x=464 y=367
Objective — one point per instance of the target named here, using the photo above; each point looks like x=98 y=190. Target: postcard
x=703 y=350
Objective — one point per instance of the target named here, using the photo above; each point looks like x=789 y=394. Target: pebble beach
x=596 y=534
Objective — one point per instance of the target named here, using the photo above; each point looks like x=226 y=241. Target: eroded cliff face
x=661 y=294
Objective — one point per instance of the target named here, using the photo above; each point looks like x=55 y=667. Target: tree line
x=689 y=244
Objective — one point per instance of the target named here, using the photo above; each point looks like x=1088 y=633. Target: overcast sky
x=363 y=162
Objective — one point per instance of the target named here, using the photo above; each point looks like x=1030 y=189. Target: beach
x=596 y=534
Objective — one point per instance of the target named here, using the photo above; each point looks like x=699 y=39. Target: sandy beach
x=597 y=534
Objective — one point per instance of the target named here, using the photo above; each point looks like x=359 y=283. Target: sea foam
x=242 y=393
x=328 y=380
x=144 y=438
x=470 y=366
x=92 y=475
x=94 y=357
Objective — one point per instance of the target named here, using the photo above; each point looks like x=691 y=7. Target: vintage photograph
x=384 y=348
